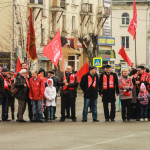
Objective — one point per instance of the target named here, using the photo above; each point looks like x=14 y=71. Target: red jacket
x=37 y=88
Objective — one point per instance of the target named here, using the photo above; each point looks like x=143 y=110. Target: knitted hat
x=143 y=87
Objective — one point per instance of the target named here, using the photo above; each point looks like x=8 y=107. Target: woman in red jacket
x=36 y=94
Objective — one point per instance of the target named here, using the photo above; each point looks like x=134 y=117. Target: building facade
x=122 y=14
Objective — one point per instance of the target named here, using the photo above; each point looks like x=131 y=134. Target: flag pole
x=63 y=68
x=135 y=52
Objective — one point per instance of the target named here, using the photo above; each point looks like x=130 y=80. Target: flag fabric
x=53 y=50
x=125 y=56
x=82 y=71
x=18 y=68
x=133 y=24
x=31 y=47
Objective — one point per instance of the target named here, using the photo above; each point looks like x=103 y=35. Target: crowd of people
x=40 y=93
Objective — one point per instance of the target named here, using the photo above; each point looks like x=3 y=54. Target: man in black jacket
x=30 y=113
x=4 y=88
x=23 y=93
x=68 y=93
x=108 y=87
x=89 y=85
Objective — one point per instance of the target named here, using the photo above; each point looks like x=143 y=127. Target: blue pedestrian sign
x=97 y=61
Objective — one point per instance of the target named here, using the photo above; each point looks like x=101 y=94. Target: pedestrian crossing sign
x=97 y=61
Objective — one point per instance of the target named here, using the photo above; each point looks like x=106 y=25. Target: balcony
x=58 y=5
x=103 y=12
x=86 y=8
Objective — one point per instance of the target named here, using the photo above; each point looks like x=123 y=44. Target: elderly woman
x=23 y=93
x=125 y=90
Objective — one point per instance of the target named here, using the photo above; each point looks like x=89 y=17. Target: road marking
x=99 y=143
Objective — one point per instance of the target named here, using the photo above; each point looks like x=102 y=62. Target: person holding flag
x=89 y=85
x=68 y=93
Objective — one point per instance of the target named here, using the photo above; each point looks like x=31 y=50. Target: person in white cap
x=50 y=95
x=143 y=100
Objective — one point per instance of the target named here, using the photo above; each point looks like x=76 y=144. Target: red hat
x=49 y=81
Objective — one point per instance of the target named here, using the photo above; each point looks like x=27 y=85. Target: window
x=73 y=1
x=99 y=3
x=31 y=1
x=73 y=22
x=40 y=2
x=42 y=36
x=125 y=41
x=54 y=22
x=64 y=23
x=74 y=62
x=125 y=19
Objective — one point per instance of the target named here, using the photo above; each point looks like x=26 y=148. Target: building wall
x=118 y=31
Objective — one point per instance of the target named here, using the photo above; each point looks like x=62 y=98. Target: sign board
x=97 y=61
x=107 y=41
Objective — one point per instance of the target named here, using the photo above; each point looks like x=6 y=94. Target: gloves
x=50 y=99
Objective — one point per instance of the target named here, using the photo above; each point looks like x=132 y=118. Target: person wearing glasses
x=140 y=77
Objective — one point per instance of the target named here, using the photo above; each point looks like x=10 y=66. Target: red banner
x=82 y=71
x=53 y=50
x=31 y=47
x=133 y=24
x=125 y=56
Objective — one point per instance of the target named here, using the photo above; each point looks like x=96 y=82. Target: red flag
x=133 y=24
x=125 y=56
x=82 y=71
x=18 y=68
x=31 y=47
x=53 y=50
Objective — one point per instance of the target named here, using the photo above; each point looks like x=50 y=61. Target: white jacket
x=50 y=95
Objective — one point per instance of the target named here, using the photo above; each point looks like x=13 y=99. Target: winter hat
x=23 y=71
x=91 y=67
x=50 y=81
x=143 y=86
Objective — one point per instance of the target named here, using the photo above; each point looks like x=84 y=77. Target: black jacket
x=23 y=92
x=91 y=92
x=109 y=94
x=3 y=93
x=72 y=92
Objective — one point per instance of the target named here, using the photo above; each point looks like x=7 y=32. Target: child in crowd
x=143 y=100
x=50 y=95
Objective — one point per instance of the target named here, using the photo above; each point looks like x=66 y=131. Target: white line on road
x=99 y=143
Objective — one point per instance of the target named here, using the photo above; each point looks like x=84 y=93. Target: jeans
x=94 y=108
x=37 y=106
x=50 y=112
x=143 y=111
x=126 y=109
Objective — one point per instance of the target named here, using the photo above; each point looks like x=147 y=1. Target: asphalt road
x=75 y=136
